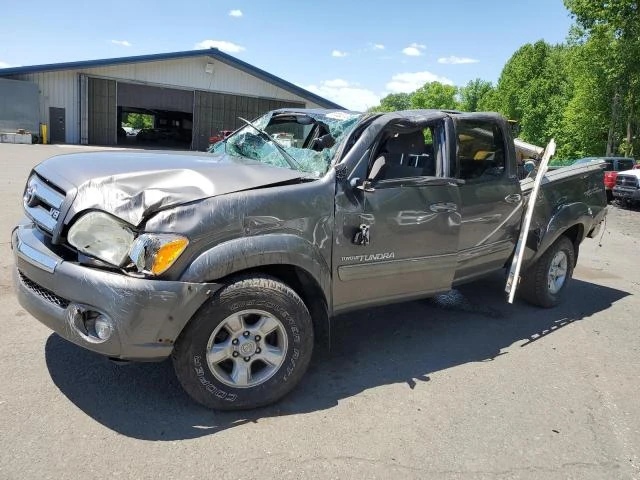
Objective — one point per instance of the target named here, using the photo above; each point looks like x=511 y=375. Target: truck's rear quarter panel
x=571 y=199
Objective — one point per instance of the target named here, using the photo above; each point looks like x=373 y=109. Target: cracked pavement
x=463 y=386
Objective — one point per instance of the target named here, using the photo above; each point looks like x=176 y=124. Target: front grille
x=42 y=202
x=42 y=292
x=627 y=181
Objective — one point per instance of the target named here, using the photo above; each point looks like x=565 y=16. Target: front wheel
x=544 y=283
x=247 y=347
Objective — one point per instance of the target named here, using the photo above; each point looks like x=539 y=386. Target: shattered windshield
x=309 y=138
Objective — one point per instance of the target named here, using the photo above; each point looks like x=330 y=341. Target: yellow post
x=43 y=133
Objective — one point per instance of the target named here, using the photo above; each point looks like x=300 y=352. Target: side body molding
x=251 y=252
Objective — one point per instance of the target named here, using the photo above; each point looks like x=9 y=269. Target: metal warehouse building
x=201 y=92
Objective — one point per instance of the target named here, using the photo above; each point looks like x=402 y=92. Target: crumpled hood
x=133 y=185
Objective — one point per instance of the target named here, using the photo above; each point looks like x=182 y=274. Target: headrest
x=407 y=143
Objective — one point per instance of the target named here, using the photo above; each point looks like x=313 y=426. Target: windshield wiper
x=290 y=160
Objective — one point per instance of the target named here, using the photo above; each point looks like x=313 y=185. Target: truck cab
x=440 y=195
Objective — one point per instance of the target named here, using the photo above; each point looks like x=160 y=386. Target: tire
x=537 y=287
x=275 y=364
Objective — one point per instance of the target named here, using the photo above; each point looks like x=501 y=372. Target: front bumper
x=627 y=193
x=146 y=315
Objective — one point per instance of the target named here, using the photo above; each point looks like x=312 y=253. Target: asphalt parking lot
x=461 y=387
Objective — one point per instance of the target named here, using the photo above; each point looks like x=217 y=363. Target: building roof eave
x=157 y=57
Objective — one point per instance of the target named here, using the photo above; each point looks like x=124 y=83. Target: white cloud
x=338 y=53
x=220 y=45
x=5 y=65
x=235 y=13
x=414 y=50
x=337 y=83
x=347 y=94
x=378 y=46
x=122 y=43
x=453 y=60
x=408 y=82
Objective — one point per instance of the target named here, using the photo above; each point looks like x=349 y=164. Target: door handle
x=513 y=198
x=443 y=207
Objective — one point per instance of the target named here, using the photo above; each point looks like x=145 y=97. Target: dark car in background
x=164 y=136
x=613 y=165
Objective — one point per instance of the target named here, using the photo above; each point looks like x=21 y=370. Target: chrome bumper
x=147 y=315
x=627 y=193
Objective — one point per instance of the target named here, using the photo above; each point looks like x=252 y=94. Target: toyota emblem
x=30 y=198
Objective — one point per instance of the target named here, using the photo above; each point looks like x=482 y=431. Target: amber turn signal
x=167 y=254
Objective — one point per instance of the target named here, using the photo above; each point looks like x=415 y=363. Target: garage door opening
x=154 y=128
x=137 y=115
x=154 y=116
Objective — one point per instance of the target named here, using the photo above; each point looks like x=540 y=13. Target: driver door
x=412 y=216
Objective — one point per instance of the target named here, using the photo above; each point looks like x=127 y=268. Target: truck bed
x=575 y=191
x=563 y=174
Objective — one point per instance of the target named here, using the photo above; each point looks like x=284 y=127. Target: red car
x=213 y=139
x=613 y=166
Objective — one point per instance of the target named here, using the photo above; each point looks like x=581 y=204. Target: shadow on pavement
x=401 y=343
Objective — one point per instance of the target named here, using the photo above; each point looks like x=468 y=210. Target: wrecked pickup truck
x=234 y=262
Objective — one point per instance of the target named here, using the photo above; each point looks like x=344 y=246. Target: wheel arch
x=288 y=258
x=306 y=286
x=570 y=220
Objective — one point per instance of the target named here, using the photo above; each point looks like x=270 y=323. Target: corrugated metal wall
x=103 y=112
x=220 y=111
x=58 y=89
x=190 y=73
x=154 y=98
x=62 y=89
x=19 y=107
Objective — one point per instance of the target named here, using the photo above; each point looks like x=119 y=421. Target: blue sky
x=350 y=52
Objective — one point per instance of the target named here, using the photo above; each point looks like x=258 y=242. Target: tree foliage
x=435 y=95
x=584 y=93
x=394 y=102
x=139 y=120
x=610 y=31
x=475 y=95
x=534 y=89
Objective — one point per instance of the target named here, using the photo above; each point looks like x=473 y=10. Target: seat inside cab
x=404 y=155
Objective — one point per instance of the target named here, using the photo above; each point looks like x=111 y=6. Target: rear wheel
x=248 y=347
x=544 y=283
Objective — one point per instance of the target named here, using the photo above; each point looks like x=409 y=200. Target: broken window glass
x=310 y=138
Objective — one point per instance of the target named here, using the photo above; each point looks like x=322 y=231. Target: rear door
x=491 y=196
x=57 y=123
x=410 y=214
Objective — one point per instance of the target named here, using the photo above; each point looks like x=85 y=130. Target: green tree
x=586 y=118
x=435 y=95
x=394 y=102
x=474 y=95
x=617 y=21
x=534 y=88
x=139 y=120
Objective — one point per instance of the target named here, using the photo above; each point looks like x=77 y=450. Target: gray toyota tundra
x=233 y=262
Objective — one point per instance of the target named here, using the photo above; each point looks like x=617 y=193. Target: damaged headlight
x=100 y=235
x=154 y=253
